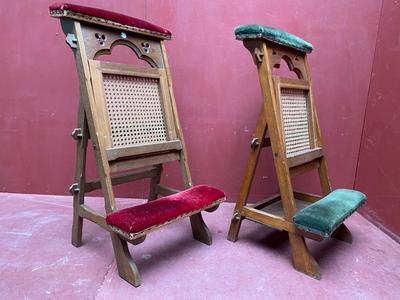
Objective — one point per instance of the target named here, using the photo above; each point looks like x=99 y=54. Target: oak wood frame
x=131 y=163
x=267 y=55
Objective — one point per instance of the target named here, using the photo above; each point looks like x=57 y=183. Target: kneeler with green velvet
x=129 y=114
x=288 y=124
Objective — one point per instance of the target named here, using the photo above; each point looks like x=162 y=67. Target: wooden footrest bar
x=139 y=220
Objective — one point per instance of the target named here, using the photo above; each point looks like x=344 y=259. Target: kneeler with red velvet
x=130 y=116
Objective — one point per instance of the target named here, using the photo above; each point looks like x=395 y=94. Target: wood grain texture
x=121 y=158
x=282 y=119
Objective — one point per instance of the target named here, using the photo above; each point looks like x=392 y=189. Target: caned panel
x=295 y=116
x=134 y=109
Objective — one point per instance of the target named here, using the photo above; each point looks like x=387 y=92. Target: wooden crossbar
x=144 y=150
x=304 y=158
x=121 y=178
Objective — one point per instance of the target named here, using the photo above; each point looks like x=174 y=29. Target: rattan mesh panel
x=134 y=110
x=295 y=121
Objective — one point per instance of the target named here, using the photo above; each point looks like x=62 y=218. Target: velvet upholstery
x=109 y=15
x=138 y=218
x=325 y=215
x=251 y=31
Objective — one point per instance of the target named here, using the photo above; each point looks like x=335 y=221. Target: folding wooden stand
x=288 y=124
x=129 y=113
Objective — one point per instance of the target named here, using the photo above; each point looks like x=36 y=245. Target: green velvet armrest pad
x=253 y=31
x=325 y=215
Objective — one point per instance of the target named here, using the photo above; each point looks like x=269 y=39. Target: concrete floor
x=37 y=260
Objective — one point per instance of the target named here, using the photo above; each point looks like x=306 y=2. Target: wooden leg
x=200 y=229
x=211 y=209
x=77 y=221
x=138 y=240
x=155 y=179
x=77 y=224
x=126 y=266
x=234 y=228
x=259 y=137
x=303 y=261
x=342 y=233
x=80 y=179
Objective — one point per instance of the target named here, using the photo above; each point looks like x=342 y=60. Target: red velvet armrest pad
x=140 y=217
x=109 y=15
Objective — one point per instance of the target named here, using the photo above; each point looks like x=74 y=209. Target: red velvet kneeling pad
x=109 y=15
x=140 y=217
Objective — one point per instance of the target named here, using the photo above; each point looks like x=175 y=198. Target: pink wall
x=215 y=82
x=218 y=92
x=379 y=162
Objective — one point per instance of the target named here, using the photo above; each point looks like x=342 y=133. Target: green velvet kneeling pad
x=256 y=31
x=325 y=215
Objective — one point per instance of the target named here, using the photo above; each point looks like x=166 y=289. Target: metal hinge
x=71 y=40
x=236 y=217
x=77 y=134
x=255 y=143
x=74 y=188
